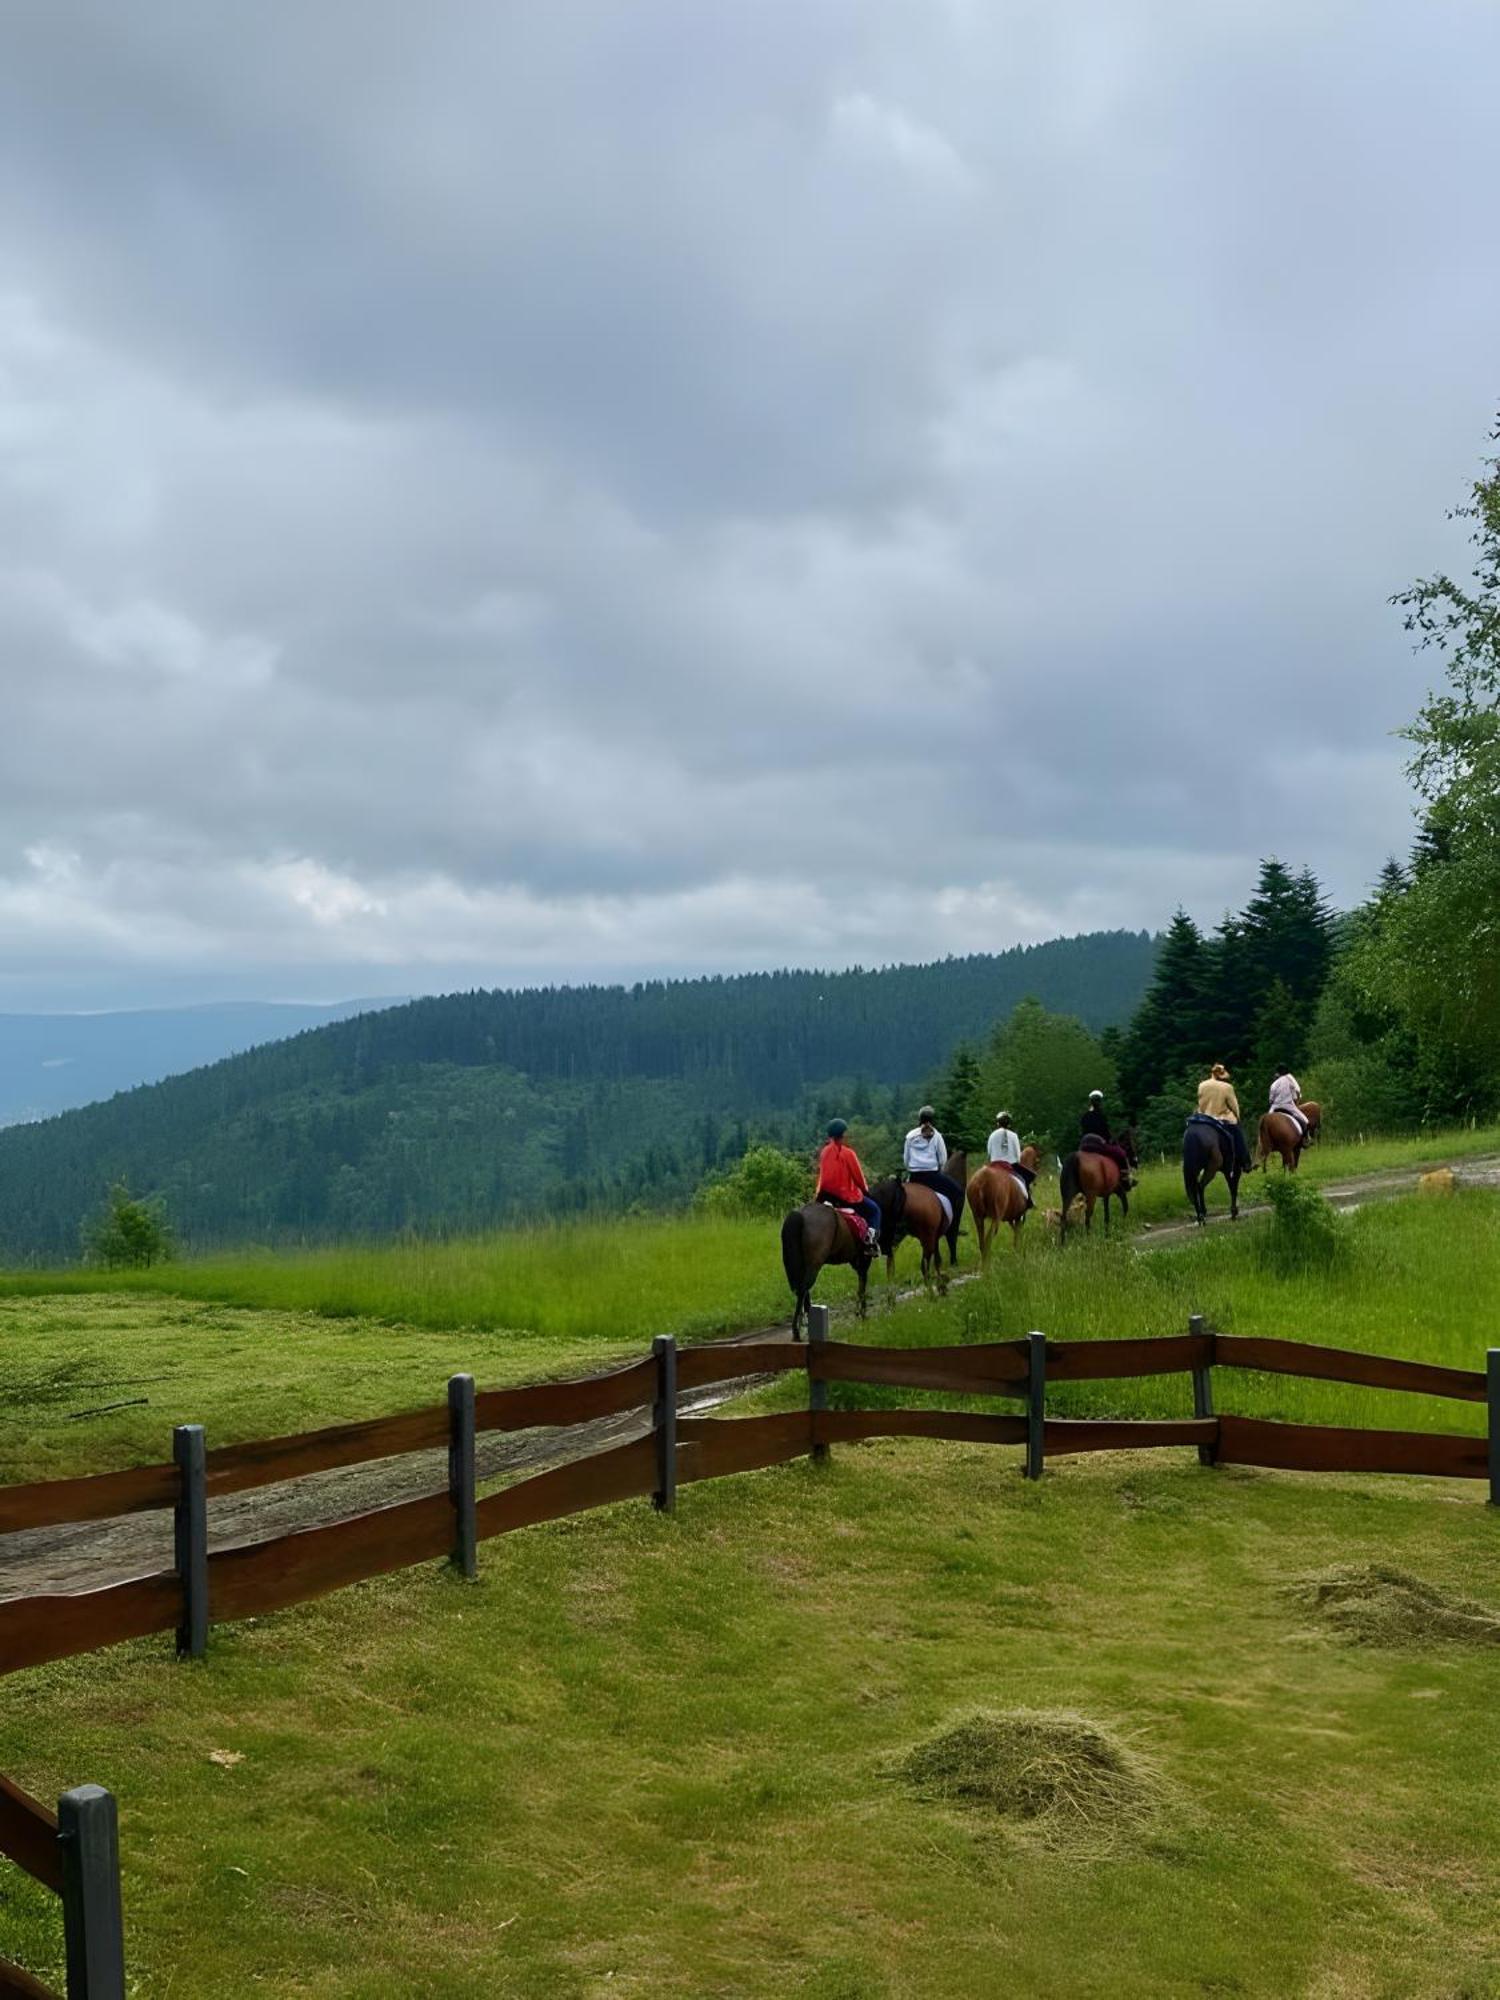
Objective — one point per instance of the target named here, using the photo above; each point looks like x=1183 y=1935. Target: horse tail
x=793 y=1253
x=1067 y=1187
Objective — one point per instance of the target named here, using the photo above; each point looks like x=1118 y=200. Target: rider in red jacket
x=841 y=1178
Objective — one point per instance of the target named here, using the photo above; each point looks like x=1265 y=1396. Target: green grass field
x=652 y=1755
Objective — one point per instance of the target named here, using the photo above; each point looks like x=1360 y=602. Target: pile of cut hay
x=1070 y=1783
x=1374 y=1605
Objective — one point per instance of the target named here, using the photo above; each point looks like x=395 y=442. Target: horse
x=1096 y=1177
x=907 y=1208
x=995 y=1196
x=1206 y=1152
x=815 y=1235
x=1280 y=1134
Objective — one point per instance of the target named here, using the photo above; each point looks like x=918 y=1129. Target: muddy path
x=88 y=1555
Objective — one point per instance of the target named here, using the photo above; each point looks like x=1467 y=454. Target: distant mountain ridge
x=463 y=1110
x=58 y=1062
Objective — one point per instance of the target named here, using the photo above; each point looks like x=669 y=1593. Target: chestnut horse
x=1096 y=1177
x=1279 y=1134
x=996 y=1196
x=811 y=1237
x=909 y=1209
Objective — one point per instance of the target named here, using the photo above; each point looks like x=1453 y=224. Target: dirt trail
x=87 y=1555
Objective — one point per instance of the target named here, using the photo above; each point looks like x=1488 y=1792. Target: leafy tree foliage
x=127 y=1234
x=461 y=1112
x=1041 y=1067
x=766 y=1181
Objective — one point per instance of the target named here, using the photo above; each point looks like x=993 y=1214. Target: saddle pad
x=946 y=1206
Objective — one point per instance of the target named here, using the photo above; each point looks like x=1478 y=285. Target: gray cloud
x=494 y=494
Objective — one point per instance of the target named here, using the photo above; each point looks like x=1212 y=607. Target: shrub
x=766 y=1181
x=1306 y=1234
x=127 y=1234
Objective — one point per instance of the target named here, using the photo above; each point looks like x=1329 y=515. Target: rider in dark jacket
x=1094 y=1120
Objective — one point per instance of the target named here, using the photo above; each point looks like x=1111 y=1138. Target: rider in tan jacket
x=1216 y=1099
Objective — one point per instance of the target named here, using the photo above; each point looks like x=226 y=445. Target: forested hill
x=460 y=1111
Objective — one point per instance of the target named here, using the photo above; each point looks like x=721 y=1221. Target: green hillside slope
x=461 y=1111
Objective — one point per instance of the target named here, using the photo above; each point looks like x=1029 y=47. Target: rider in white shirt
x=1005 y=1142
x=1286 y=1097
x=924 y=1157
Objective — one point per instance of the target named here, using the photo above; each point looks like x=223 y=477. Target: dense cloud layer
x=495 y=494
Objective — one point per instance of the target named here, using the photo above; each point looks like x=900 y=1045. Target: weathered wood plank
x=1341 y=1364
x=1329 y=1448
x=235 y=1468
x=49 y=1503
x=1071 y=1434
x=567 y=1402
x=289 y=1569
x=998 y=1370
x=57 y=1624
x=698 y=1367
x=16 y=1983
x=28 y=1834
x=1114 y=1360
x=713 y=1447
x=623 y=1473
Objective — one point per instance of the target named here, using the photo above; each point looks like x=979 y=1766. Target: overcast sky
x=493 y=493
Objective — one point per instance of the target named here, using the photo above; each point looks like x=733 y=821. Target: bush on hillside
x=127 y=1234
x=1306 y=1234
x=766 y=1181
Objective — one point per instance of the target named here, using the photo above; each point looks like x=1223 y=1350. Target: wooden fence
x=75 y=1853
x=286 y=1569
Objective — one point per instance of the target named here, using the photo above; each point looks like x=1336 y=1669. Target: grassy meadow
x=660 y=1755
x=656 y=1756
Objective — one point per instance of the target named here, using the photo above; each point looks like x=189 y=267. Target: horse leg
x=864 y=1274
x=804 y=1300
x=984 y=1242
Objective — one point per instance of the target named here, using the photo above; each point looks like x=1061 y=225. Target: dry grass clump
x=1069 y=1782
x=1372 y=1604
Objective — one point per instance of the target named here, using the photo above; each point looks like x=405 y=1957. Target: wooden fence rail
x=74 y=1851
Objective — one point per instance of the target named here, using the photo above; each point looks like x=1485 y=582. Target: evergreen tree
x=1170 y=1026
x=955 y=1099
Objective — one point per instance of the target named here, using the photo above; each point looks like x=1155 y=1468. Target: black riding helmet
x=837 y=1129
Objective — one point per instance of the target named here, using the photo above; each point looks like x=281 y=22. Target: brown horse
x=1279 y=1134
x=909 y=1209
x=811 y=1237
x=1096 y=1177
x=996 y=1196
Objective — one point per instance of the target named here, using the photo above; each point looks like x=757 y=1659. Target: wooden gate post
x=817 y=1389
x=190 y=1539
x=1036 y=1402
x=461 y=1475
x=1492 y=1383
x=664 y=1422
x=93 y=1927
x=1203 y=1389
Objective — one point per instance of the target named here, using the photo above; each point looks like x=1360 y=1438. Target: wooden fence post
x=190 y=1539
x=1203 y=1388
x=93 y=1928
x=1492 y=1383
x=817 y=1389
x=664 y=1422
x=1036 y=1401
x=461 y=1475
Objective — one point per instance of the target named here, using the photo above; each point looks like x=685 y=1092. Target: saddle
x=859 y=1228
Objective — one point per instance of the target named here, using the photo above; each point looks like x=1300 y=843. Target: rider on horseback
x=1286 y=1098
x=1005 y=1151
x=1094 y=1137
x=924 y=1157
x=1218 y=1103
x=842 y=1183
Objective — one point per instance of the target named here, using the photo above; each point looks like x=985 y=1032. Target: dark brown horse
x=907 y=1208
x=1096 y=1177
x=1280 y=1134
x=995 y=1196
x=813 y=1236
x=1206 y=1152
